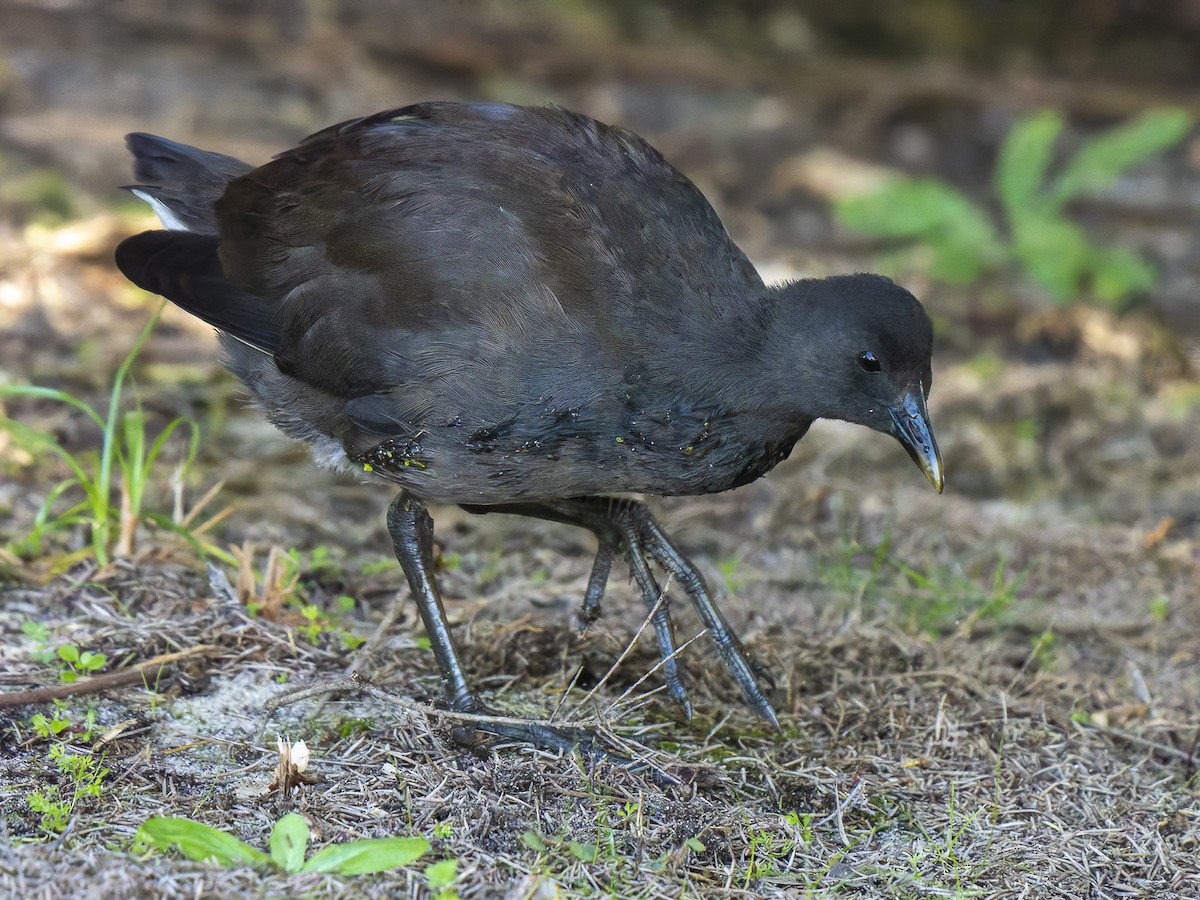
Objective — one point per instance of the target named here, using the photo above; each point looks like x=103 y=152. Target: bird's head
x=863 y=345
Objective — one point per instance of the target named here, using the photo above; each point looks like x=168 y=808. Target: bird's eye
x=869 y=361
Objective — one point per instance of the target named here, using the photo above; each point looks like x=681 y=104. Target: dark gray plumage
x=519 y=309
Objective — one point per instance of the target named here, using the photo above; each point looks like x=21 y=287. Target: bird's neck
x=742 y=363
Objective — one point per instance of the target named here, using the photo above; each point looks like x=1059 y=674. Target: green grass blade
x=33 y=390
x=131 y=459
x=43 y=522
x=155 y=450
x=101 y=536
x=36 y=441
x=203 y=548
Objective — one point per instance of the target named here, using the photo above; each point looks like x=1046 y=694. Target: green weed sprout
x=288 y=844
x=85 y=776
x=126 y=459
x=965 y=243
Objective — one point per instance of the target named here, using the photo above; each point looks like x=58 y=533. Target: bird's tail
x=182 y=184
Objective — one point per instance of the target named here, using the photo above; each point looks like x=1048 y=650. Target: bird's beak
x=910 y=426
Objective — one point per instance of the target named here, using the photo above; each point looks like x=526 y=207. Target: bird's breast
x=575 y=452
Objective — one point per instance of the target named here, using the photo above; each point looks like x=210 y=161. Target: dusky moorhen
x=521 y=310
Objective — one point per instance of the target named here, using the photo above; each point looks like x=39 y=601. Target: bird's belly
x=687 y=455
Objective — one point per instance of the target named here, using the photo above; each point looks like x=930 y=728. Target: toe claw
x=762 y=673
x=679 y=694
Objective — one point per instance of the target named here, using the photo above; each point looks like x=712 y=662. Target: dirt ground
x=994 y=692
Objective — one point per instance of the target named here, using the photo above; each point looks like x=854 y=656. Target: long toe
x=554 y=738
x=746 y=674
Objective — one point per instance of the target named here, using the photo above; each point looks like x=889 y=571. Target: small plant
x=1043 y=648
x=1160 y=608
x=801 y=823
x=318 y=622
x=540 y=843
x=850 y=569
x=768 y=854
x=39 y=633
x=440 y=876
x=387 y=564
x=49 y=727
x=121 y=473
x=963 y=241
x=85 y=775
x=54 y=811
x=275 y=593
x=267 y=592
x=944 y=852
x=728 y=568
x=941 y=599
x=85 y=663
x=74 y=662
x=288 y=844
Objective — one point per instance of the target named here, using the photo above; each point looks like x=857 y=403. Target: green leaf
x=1118 y=272
x=585 y=852
x=695 y=845
x=958 y=259
x=441 y=874
x=908 y=207
x=1024 y=159
x=1055 y=253
x=289 y=838
x=961 y=237
x=69 y=653
x=1101 y=160
x=199 y=842
x=533 y=841
x=364 y=857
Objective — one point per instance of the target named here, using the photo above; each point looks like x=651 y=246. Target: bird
x=522 y=310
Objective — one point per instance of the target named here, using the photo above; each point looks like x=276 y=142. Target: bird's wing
x=451 y=259
x=390 y=245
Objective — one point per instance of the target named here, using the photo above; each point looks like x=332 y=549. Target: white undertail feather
x=168 y=218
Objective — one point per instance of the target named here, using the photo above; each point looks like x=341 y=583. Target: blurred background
x=1031 y=170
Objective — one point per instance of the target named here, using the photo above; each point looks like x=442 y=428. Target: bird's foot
x=480 y=721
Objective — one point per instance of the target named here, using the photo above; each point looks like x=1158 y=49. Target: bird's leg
x=746 y=671
x=642 y=536
x=655 y=599
x=597 y=582
x=411 y=528
x=597 y=516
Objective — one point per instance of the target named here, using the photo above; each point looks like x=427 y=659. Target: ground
x=992 y=692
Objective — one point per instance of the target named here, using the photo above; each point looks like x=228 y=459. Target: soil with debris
x=991 y=693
